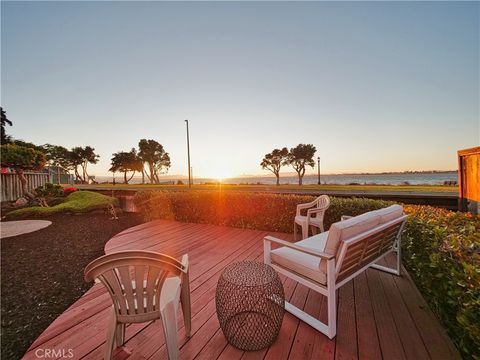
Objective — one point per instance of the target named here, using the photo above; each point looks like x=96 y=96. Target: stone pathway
x=14 y=228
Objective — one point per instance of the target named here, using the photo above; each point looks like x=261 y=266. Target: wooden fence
x=12 y=188
x=469 y=180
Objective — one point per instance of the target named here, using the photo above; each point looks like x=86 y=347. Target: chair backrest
x=323 y=201
x=363 y=249
x=134 y=280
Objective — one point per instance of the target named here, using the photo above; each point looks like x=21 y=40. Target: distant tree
x=57 y=156
x=27 y=145
x=4 y=121
x=82 y=156
x=74 y=161
x=153 y=154
x=22 y=159
x=300 y=157
x=273 y=161
x=126 y=162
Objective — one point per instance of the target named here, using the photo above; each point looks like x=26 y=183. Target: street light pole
x=319 y=182
x=188 y=152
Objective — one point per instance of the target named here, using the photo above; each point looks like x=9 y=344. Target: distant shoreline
x=425 y=172
x=424 y=178
x=292 y=174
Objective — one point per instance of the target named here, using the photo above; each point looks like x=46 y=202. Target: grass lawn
x=290 y=187
x=77 y=202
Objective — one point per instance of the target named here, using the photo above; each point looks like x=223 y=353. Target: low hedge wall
x=440 y=248
x=261 y=211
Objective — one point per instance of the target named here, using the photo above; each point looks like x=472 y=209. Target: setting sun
x=221 y=174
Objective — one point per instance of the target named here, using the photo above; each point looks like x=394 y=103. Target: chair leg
x=120 y=334
x=294 y=231
x=304 y=231
x=169 y=320
x=186 y=306
x=111 y=330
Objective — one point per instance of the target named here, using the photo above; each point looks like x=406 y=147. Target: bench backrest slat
x=363 y=249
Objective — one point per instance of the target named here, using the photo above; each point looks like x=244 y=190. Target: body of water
x=387 y=179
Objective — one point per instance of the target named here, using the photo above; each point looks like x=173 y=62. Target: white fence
x=12 y=188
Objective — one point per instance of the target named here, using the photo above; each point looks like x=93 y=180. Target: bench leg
x=396 y=271
x=308 y=319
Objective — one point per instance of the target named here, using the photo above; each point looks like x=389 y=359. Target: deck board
x=379 y=315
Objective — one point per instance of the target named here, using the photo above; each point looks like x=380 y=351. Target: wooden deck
x=379 y=315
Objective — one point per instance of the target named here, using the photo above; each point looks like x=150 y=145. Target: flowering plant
x=68 y=190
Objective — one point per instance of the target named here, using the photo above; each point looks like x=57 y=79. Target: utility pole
x=319 y=182
x=188 y=152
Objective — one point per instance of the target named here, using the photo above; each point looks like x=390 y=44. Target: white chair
x=314 y=217
x=144 y=286
x=327 y=261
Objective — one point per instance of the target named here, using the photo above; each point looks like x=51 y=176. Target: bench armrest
x=305 y=250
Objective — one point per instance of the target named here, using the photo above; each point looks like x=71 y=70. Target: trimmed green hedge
x=440 y=248
x=261 y=211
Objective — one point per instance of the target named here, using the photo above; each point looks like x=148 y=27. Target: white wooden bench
x=327 y=261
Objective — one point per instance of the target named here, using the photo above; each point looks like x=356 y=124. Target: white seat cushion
x=389 y=213
x=303 y=264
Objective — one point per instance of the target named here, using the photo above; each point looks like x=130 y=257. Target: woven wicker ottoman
x=250 y=304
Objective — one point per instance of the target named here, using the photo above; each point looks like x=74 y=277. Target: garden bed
x=75 y=203
x=42 y=273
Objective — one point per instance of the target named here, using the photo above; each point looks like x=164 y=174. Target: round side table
x=250 y=304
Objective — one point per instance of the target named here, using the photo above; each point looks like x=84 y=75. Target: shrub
x=48 y=190
x=441 y=249
x=262 y=211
